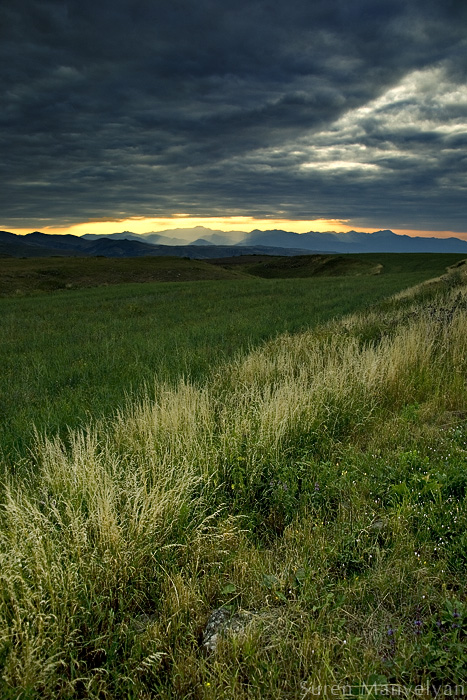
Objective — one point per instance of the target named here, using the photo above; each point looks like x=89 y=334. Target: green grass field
x=312 y=484
x=70 y=355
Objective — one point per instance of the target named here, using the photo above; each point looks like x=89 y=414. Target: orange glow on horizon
x=232 y=223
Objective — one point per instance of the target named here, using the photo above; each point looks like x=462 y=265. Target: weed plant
x=318 y=482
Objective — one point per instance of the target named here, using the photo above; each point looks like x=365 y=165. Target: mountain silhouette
x=213 y=244
x=39 y=244
x=385 y=241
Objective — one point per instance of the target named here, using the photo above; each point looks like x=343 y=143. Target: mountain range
x=37 y=244
x=384 y=241
x=204 y=243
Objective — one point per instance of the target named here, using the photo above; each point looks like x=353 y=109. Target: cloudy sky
x=150 y=114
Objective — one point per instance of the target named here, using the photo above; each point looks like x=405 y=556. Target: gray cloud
x=295 y=109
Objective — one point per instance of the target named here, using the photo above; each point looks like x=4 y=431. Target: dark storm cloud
x=299 y=109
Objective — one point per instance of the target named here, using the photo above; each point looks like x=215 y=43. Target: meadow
x=73 y=354
x=311 y=483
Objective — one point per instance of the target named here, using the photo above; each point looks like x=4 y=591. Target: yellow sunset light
x=231 y=223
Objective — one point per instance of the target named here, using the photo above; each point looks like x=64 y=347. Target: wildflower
x=316 y=486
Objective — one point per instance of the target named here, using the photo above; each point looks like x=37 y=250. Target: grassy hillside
x=431 y=264
x=73 y=355
x=315 y=488
x=20 y=276
x=427 y=264
x=303 y=266
x=32 y=276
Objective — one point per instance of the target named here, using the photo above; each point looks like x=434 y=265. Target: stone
x=222 y=623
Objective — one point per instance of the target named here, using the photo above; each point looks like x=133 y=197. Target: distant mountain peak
x=200 y=241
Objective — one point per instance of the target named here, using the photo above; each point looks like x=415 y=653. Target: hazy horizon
x=217 y=225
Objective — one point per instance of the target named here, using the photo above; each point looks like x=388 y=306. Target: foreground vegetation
x=318 y=482
x=72 y=355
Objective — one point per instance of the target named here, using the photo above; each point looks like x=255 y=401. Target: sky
x=146 y=115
